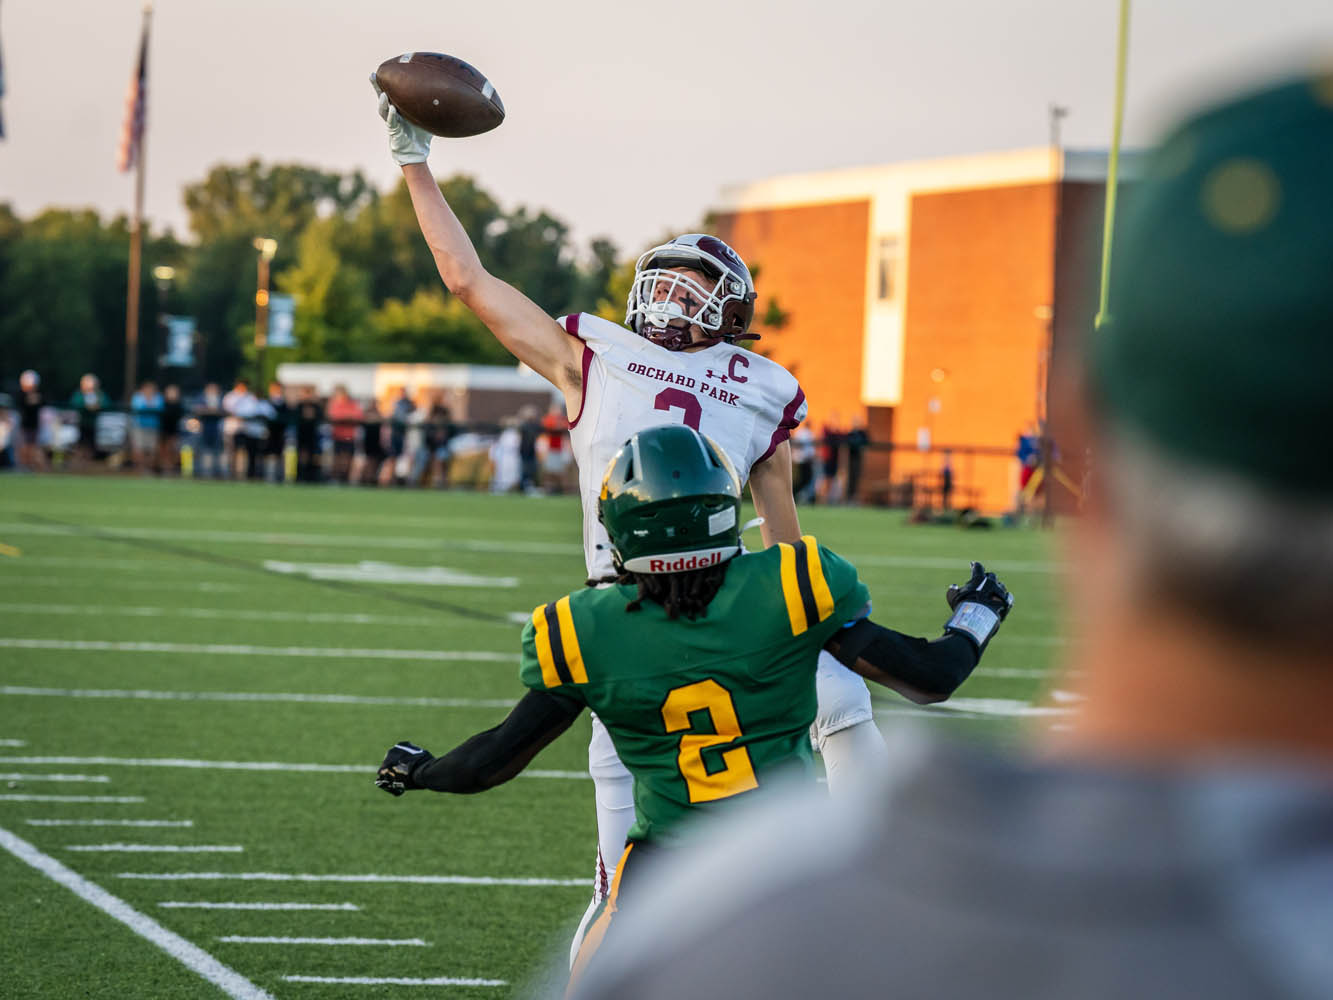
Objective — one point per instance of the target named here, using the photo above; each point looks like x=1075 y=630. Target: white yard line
x=222 y=614
x=224 y=765
x=73 y=583
x=395 y=981
x=13 y=743
x=337 y=542
x=387 y=942
x=123 y=799
x=210 y=649
x=482 y=880
x=37 y=776
x=328 y=699
x=191 y=956
x=348 y=907
x=111 y=822
x=157 y=848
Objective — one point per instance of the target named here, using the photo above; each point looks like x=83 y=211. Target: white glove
x=407 y=143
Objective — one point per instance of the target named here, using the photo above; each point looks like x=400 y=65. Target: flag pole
x=139 y=142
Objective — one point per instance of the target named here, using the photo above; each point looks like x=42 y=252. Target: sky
x=624 y=119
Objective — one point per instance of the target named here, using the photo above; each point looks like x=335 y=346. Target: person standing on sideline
x=857 y=441
x=145 y=424
x=830 y=447
x=277 y=420
x=309 y=419
x=208 y=449
x=89 y=401
x=1175 y=837
x=344 y=415
x=169 y=433
x=30 y=403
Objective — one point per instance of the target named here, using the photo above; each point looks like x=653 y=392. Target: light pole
x=163 y=276
x=267 y=247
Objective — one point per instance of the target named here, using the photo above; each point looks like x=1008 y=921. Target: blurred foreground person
x=1177 y=841
x=718 y=700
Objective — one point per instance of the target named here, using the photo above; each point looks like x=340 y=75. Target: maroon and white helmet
x=660 y=294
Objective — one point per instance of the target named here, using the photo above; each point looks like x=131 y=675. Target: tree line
x=364 y=281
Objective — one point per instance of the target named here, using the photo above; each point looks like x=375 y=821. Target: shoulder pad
x=557 y=644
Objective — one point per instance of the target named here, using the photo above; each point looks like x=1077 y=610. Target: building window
x=887 y=267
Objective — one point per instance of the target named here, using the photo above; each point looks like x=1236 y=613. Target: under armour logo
x=709 y=373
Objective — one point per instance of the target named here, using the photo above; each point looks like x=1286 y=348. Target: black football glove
x=395 y=773
x=979 y=605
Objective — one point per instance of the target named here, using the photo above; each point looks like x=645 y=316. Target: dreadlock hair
x=686 y=593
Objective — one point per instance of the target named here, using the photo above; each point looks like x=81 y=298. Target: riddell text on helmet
x=691 y=562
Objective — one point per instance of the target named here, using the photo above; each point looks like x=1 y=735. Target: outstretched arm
x=770 y=488
x=487 y=759
x=524 y=329
x=928 y=671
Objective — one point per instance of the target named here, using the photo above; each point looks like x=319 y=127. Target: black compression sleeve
x=493 y=757
x=935 y=666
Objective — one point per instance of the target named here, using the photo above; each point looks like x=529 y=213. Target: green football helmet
x=671 y=502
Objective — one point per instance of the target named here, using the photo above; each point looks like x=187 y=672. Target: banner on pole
x=281 y=314
x=180 y=342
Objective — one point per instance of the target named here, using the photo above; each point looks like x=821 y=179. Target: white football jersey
x=746 y=403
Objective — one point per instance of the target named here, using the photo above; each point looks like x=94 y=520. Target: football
x=440 y=93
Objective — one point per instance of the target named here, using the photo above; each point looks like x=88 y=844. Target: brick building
x=924 y=299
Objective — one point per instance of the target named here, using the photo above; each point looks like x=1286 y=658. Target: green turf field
x=223 y=666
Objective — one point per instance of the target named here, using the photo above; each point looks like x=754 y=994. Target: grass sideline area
x=200 y=678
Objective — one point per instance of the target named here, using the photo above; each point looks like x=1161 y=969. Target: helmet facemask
x=664 y=302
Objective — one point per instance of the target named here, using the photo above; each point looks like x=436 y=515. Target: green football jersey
x=700 y=710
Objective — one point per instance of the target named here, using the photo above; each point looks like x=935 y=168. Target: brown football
x=441 y=94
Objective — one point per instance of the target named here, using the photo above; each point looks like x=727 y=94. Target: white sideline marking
x=109 y=822
x=126 y=799
x=191 y=956
x=259 y=906
x=226 y=765
x=219 y=649
x=1009 y=707
x=381 y=879
x=1011 y=673
x=390 y=942
x=223 y=614
x=68 y=583
x=329 y=699
x=31 y=776
x=369 y=571
x=13 y=743
x=395 y=981
x=339 y=543
x=158 y=848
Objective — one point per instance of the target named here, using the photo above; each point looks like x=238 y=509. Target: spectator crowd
x=283 y=435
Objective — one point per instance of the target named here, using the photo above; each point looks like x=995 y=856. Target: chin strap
x=754 y=522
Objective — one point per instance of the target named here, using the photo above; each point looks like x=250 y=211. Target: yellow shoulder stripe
x=791 y=590
x=558 y=644
x=823 y=596
x=569 y=640
x=542 y=640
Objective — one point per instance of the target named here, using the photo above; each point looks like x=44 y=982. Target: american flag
x=136 y=108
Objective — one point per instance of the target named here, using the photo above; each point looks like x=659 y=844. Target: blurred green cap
x=1219 y=347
